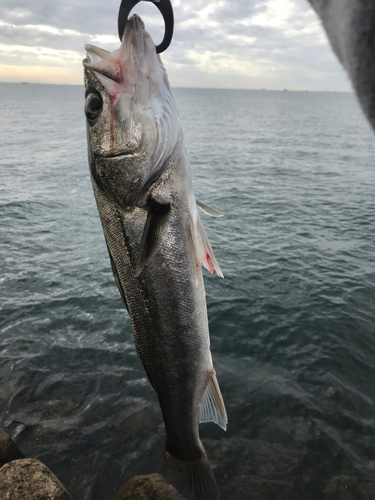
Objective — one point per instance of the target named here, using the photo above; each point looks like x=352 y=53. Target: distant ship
x=25 y=83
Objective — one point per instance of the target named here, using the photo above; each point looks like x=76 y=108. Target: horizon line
x=263 y=89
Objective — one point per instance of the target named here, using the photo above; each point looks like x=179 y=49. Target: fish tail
x=201 y=477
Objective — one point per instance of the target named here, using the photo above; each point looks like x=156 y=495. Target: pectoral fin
x=212 y=408
x=153 y=232
x=202 y=248
x=208 y=210
x=117 y=279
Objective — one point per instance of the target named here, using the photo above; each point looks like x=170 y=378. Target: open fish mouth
x=116 y=65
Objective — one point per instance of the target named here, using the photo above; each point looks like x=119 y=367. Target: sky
x=242 y=44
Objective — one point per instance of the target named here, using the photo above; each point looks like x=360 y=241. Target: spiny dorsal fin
x=208 y=210
x=153 y=232
x=212 y=408
x=202 y=248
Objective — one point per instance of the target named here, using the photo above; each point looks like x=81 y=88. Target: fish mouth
x=122 y=154
x=114 y=65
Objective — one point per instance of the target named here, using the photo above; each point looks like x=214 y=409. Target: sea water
x=292 y=324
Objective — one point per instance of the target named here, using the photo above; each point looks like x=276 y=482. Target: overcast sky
x=271 y=44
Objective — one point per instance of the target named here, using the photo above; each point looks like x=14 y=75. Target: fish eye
x=93 y=106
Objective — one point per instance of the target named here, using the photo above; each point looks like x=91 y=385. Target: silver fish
x=156 y=241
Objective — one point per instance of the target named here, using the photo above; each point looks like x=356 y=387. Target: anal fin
x=212 y=408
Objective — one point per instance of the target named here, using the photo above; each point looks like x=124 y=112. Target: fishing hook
x=166 y=10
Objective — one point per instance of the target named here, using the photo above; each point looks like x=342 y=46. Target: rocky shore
x=265 y=471
x=29 y=479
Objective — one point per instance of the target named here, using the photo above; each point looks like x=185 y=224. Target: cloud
x=91 y=16
x=221 y=43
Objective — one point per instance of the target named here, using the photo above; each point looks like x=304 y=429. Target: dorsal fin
x=208 y=210
x=153 y=232
x=212 y=408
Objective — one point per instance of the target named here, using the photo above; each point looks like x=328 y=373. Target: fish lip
x=122 y=154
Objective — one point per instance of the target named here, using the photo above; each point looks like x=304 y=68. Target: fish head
x=132 y=120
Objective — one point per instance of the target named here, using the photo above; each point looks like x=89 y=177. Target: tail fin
x=201 y=477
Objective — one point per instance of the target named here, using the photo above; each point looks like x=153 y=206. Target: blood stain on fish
x=209 y=263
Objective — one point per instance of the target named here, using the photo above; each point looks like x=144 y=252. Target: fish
x=156 y=241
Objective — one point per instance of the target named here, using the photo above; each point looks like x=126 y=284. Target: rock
x=341 y=488
x=344 y=487
x=366 y=490
x=30 y=479
x=218 y=451
x=37 y=422
x=149 y=487
x=137 y=418
x=13 y=392
x=8 y=450
x=270 y=471
x=53 y=416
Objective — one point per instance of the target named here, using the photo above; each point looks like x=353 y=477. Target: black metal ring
x=166 y=10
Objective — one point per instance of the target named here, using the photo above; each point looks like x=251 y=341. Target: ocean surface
x=292 y=324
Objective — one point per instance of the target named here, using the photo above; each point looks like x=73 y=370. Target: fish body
x=156 y=241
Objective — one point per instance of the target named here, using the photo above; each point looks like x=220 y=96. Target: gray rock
x=366 y=490
x=57 y=415
x=270 y=471
x=29 y=479
x=149 y=487
x=8 y=450
x=341 y=487
x=344 y=487
x=137 y=418
x=219 y=452
x=12 y=393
